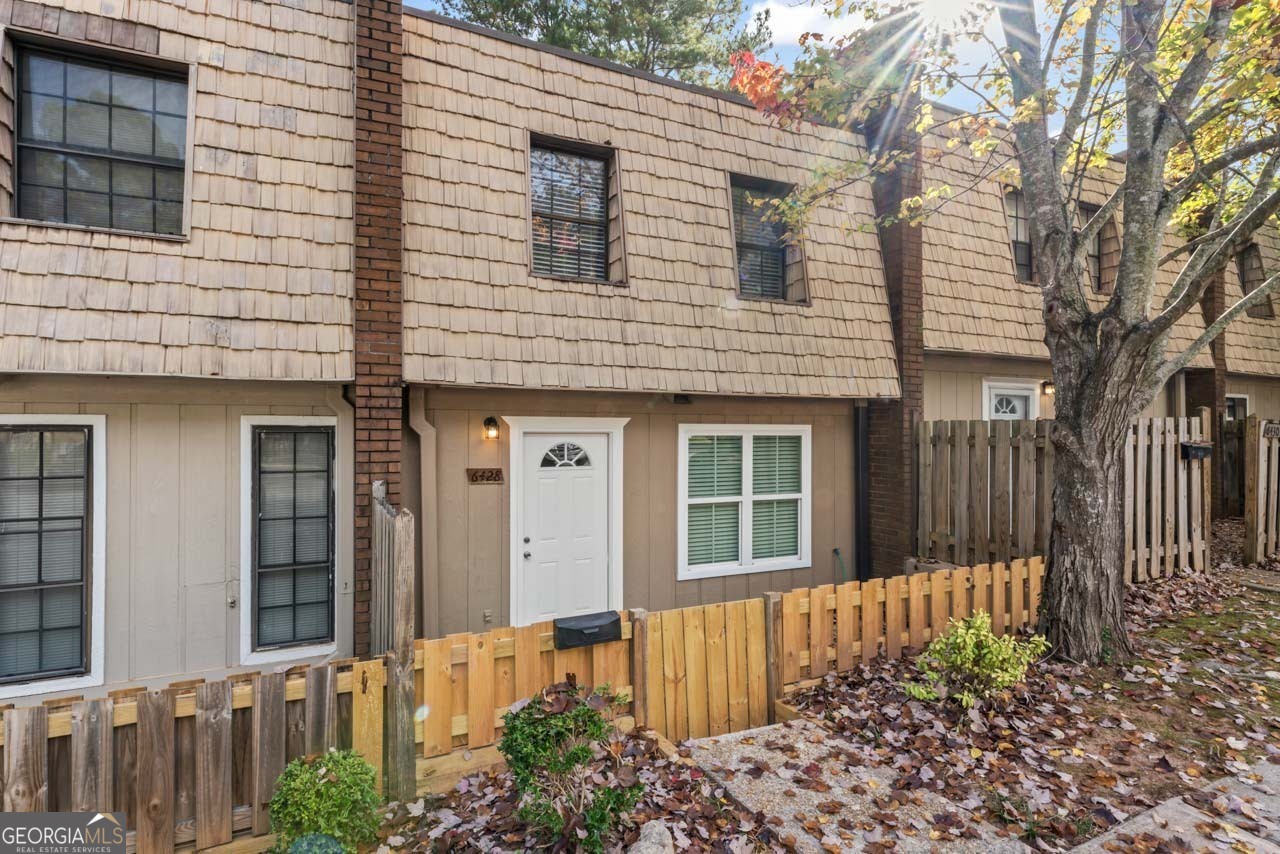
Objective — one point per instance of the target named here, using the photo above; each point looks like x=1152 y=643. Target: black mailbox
x=1197 y=450
x=588 y=629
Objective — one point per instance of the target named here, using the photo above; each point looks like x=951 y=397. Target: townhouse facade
x=255 y=256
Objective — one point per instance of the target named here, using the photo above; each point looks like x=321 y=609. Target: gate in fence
x=1231 y=439
x=1261 y=489
x=984 y=493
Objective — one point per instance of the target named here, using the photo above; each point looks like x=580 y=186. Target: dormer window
x=1250 y=270
x=769 y=267
x=1015 y=207
x=1093 y=252
x=576 y=225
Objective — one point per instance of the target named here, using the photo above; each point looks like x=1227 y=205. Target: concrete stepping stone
x=844 y=804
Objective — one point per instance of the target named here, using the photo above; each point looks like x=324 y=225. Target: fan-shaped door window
x=565 y=455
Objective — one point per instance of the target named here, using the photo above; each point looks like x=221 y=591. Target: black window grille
x=293 y=536
x=100 y=144
x=1020 y=236
x=44 y=550
x=760 y=241
x=570 y=208
x=1250 y=270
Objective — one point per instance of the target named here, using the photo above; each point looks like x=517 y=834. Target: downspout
x=429 y=524
x=862 y=489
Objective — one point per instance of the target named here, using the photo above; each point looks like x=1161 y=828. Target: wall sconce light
x=1047 y=387
x=491 y=428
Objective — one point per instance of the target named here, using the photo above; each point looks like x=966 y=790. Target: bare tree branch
x=1205 y=261
x=1211 y=167
x=1213 y=330
x=1084 y=91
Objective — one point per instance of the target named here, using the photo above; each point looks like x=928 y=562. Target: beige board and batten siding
x=472 y=558
x=953 y=386
x=173 y=512
x=474 y=315
x=261 y=286
x=1263 y=394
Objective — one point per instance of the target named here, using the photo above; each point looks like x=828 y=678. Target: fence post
x=772 y=650
x=640 y=666
x=1253 y=459
x=1210 y=434
x=401 y=781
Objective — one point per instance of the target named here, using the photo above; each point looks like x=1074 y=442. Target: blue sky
x=789 y=19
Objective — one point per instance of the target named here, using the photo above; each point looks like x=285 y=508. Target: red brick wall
x=378 y=296
x=892 y=422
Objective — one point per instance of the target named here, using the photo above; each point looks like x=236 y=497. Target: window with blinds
x=1252 y=274
x=293 y=536
x=744 y=499
x=569 y=199
x=760 y=242
x=1020 y=235
x=44 y=549
x=100 y=144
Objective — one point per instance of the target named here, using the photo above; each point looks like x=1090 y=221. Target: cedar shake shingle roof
x=972 y=300
x=1253 y=344
x=475 y=316
x=262 y=289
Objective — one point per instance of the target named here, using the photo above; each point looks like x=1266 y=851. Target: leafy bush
x=969 y=663
x=332 y=794
x=316 y=843
x=557 y=745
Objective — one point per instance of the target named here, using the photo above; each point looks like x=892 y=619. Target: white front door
x=563 y=536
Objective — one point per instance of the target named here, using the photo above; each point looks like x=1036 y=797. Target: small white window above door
x=1011 y=400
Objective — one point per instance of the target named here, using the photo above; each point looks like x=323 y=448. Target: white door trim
x=524 y=425
x=995 y=385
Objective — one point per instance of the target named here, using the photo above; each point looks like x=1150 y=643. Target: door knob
x=526 y=541
x=528 y=555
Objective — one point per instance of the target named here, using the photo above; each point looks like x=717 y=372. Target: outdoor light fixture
x=491 y=428
x=1047 y=387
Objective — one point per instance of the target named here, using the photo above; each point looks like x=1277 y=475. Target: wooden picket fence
x=465 y=683
x=193 y=764
x=1261 y=489
x=708 y=669
x=835 y=627
x=984 y=492
x=196 y=763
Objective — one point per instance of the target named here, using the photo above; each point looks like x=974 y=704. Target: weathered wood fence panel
x=1231 y=439
x=1261 y=489
x=985 y=493
x=195 y=763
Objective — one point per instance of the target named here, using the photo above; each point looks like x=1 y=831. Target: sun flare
x=944 y=16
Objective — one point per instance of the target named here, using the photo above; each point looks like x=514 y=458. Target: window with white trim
x=744 y=493
x=1012 y=400
x=45 y=553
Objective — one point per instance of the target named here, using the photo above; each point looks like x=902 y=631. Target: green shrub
x=969 y=663
x=556 y=747
x=332 y=794
x=316 y=843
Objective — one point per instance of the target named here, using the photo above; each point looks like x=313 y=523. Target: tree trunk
x=1082 y=613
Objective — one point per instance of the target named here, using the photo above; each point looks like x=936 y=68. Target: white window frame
x=745 y=564
x=992 y=386
x=97 y=560
x=1243 y=397
x=249 y=655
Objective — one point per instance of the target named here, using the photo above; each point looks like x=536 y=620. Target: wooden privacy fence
x=195 y=763
x=984 y=492
x=710 y=669
x=1261 y=489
